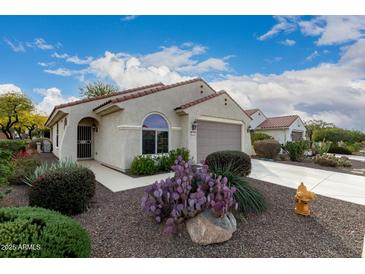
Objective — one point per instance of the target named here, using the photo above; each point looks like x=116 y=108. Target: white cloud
x=129 y=72
x=168 y=65
x=288 y=42
x=44 y=64
x=313 y=55
x=330 y=29
x=52 y=97
x=40 y=43
x=333 y=92
x=285 y=24
x=15 y=46
x=73 y=59
x=6 y=88
x=129 y=18
x=59 y=71
x=174 y=57
x=207 y=65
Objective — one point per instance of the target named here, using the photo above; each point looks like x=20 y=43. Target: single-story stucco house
x=283 y=128
x=154 y=119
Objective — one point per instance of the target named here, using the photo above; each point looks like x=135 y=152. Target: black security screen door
x=84 y=142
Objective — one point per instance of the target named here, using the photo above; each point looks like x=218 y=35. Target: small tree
x=12 y=106
x=97 y=88
x=313 y=125
x=32 y=121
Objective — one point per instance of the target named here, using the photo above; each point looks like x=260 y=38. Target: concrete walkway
x=346 y=187
x=117 y=181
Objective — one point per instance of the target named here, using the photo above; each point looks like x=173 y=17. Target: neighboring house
x=154 y=119
x=282 y=128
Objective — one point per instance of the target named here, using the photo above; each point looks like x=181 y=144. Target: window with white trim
x=155 y=135
x=57 y=134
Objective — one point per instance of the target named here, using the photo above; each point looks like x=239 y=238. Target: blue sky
x=311 y=66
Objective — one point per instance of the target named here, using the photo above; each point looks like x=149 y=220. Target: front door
x=84 y=142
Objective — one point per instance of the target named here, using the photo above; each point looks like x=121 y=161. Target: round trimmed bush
x=27 y=232
x=68 y=190
x=339 y=150
x=238 y=161
x=269 y=148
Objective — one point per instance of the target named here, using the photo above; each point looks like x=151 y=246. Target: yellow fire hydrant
x=302 y=199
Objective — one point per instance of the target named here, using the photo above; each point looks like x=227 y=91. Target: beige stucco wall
x=119 y=135
x=298 y=125
x=257 y=118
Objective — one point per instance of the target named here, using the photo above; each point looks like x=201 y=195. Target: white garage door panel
x=212 y=136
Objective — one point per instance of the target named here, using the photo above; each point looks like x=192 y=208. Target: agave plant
x=248 y=198
x=42 y=169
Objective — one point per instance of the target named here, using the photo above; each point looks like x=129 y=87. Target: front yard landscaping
x=119 y=228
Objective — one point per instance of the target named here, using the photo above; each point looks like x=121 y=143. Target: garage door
x=212 y=136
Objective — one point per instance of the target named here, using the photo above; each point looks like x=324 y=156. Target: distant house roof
x=251 y=111
x=278 y=122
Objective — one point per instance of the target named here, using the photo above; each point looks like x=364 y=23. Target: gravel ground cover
x=119 y=228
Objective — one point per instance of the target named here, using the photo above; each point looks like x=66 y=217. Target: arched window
x=155 y=135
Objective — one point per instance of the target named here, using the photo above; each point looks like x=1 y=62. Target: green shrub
x=144 y=165
x=339 y=150
x=41 y=233
x=353 y=147
x=296 y=149
x=267 y=148
x=259 y=136
x=336 y=135
x=6 y=166
x=237 y=160
x=248 y=198
x=23 y=168
x=164 y=162
x=151 y=164
x=181 y=151
x=13 y=145
x=66 y=187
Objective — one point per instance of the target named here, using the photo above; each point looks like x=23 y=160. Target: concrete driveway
x=346 y=187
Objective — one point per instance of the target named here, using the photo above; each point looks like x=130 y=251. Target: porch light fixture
x=249 y=129
x=95 y=128
x=194 y=125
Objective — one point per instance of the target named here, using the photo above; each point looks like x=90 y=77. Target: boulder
x=207 y=229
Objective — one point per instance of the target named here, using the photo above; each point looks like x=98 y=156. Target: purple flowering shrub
x=186 y=194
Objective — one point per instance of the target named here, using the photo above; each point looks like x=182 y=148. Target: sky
x=313 y=66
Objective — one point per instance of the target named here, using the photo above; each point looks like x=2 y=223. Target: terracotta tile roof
x=251 y=111
x=102 y=97
x=147 y=92
x=206 y=98
x=152 y=91
x=201 y=100
x=278 y=122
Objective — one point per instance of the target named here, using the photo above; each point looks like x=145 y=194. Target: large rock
x=207 y=229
